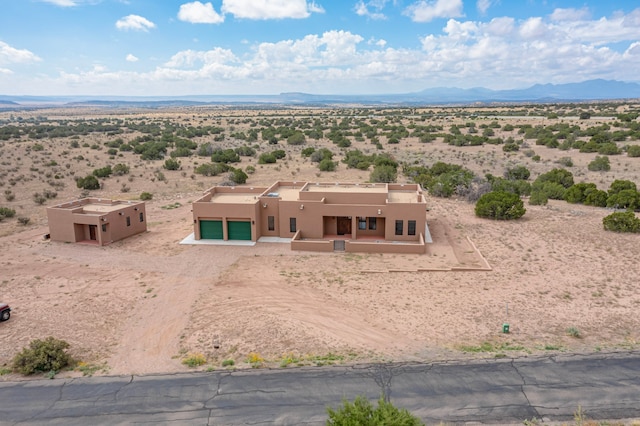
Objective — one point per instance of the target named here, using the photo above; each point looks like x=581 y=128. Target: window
x=292 y=224
x=128 y=220
x=141 y=217
x=362 y=223
x=399 y=227
x=271 y=223
x=104 y=227
x=411 y=227
x=372 y=223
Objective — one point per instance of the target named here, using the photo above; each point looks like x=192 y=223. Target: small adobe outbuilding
x=96 y=221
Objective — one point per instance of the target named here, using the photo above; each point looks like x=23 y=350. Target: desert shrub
x=250 y=170
x=39 y=199
x=326 y=165
x=120 y=169
x=146 y=196
x=599 y=164
x=621 y=222
x=620 y=185
x=625 y=199
x=112 y=151
x=517 y=173
x=520 y=187
x=500 y=206
x=565 y=161
x=383 y=173
x=577 y=194
x=181 y=152
x=245 y=151
x=608 y=149
x=511 y=147
x=9 y=195
x=6 y=212
x=267 y=158
x=279 y=154
x=362 y=412
x=103 y=172
x=321 y=154
x=633 y=151
x=42 y=356
x=228 y=363
x=24 y=220
x=205 y=150
x=559 y=176
x=171 y=164
x=308 y=151
x=595 y=197
x=225 y=156
x=585 y=115
x=296 y=138
x=238 y=176
x=88 y=182
x=538 y=198
x=194 y=360
x=211 y=169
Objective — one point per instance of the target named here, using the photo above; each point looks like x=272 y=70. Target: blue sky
x=167 y=47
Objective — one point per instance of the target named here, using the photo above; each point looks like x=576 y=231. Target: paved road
x=497 y=391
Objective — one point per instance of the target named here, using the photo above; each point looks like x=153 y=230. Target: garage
x=239 y=230
x=211 y=230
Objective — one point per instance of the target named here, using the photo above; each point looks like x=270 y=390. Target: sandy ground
x=143 y=304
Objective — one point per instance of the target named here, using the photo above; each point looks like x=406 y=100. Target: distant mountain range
x=590 y=90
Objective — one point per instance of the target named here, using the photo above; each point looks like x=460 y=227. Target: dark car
x=5 y=312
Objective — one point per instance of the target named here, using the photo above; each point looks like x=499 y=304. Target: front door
x=344 y=225
x=92 y=232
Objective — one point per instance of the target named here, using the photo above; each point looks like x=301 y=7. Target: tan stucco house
x=96 y=221
x=366 y=217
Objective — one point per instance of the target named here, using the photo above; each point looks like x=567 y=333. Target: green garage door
x=239 y=230
x=211 y=229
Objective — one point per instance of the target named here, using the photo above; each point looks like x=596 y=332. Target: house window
x=141 y=217
x=292 y=224
x=372 y=223
x=362 y=223
x=104 y=227
x=271 y=223
x=399 y=227
x=128 y=220
x=411 y=227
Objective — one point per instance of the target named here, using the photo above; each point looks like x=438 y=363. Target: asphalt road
x=606 y=386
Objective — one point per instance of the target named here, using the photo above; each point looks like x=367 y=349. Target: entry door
x=344 y=225
x=92 y=232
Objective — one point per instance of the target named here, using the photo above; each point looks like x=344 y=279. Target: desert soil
x=142 y=305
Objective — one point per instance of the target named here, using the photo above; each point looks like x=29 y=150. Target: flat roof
x=96 y=206
x=100 y=208
x=237 y=198
x=347 y=188
x=396 y=196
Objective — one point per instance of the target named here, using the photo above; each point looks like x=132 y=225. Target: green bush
x=625 y=199
x=120 y=169
x=633 y=151
x=267 y=158
x=43 y=356
x=517 y=173
x=361 y=412
x=238 y=176
x=89 y=182
x=599 y=164
x=103 y=172
x=6 y=212
x=171 y=164
x=500 y=206
x=621 y=222
x=577 y=194
x=538 y=198
x=326 y=165
x=146 y=196
x=383 y=173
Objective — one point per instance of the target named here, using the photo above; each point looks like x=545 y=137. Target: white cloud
x=10 y=54
x=563 y=15
x=199 y=13
x=362 y=9
x=5 y=71
x=131 y=58
x=428 y=10
x=270 y=9
x=135 y=23
x=484 y=5
x=70 y=3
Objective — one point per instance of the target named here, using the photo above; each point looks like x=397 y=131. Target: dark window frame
x=362 y=223
x=399 y=227
x=411 y=227
x=271 y=223
x=372 y=224
x=128 y=220
x=292 y=225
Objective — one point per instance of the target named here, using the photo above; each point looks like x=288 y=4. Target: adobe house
x=97 y=221
x=366 y=217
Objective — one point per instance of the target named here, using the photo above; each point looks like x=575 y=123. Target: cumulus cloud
x=9 y=54
x=563 y=15
x=484 y=5
x=199 y=13
x=498 y=53
x=428 y=10
x=5 y=71
x=134 y=23
x=371 y=9
x=270 y=9
x=131 y=58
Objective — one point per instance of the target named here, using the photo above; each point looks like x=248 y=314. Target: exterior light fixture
x=379 y=211
x=301 y=206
